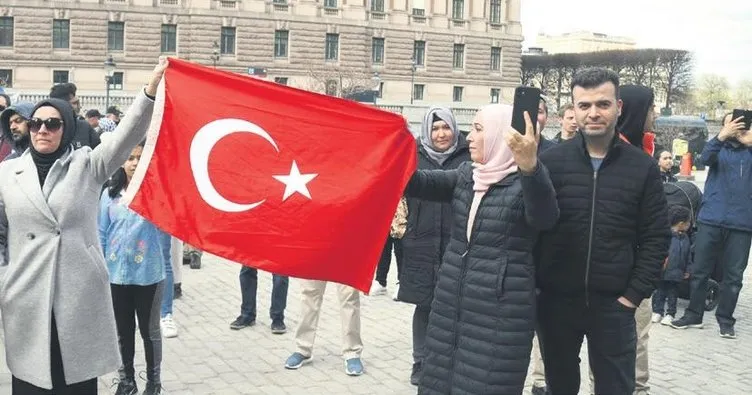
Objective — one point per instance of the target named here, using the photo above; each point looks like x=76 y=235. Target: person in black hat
x=114 y=114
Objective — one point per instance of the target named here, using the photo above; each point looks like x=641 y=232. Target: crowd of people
x=512 y=247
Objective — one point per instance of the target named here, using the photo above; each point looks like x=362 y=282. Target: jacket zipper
x=463 y=272
x=590 y=239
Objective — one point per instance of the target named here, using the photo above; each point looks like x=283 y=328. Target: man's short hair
x=593 y=77
x=565 y=108
x=63 y=91
x=93 y=113
x=544 y=100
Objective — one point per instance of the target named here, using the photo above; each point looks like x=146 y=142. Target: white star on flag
x=295 y=182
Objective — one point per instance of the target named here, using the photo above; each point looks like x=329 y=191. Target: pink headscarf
x=496 y=120
x=497 y=156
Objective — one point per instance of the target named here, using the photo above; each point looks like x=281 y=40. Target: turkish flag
x=280 y=179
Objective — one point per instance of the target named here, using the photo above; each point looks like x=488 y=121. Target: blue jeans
x=664 y=299
x=248 y=285
x=732 y=248
x=169 y=290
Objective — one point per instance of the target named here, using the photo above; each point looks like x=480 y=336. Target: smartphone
x=525 y=99
x=747 y=114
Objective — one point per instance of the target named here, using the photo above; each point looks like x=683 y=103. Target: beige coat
x=51 y=259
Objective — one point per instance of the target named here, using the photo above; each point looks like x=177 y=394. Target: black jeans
x=145 y=302
x=88 y=387
x=665 y=296
x=612 y=341
x=732 y=248
x=386 y=259
x=248 y=286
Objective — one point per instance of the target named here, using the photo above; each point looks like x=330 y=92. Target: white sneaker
x=168 y=327
x=395 y=295
x=667 y=320
x=656 y=318
x=377 y=289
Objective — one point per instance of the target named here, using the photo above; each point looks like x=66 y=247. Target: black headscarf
x=638 y=101
x=42 y=161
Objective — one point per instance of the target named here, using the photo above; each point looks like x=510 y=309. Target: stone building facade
x=441 y=51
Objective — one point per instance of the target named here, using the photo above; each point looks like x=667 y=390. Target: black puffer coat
x=427 y=235
x=480 y=329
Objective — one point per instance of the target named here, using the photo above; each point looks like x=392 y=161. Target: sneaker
x=395 y=295
x=727 y=332
x=169 y=330
x=377 y=289
x=125 y=386
x=686 y=322
x=153 y=388
x=667 y=320
x=177 y=291
x=242 y=322
x=656 y=318
x=296 y=360
x=354 y=367
x=416 y=373
x=538 y=391
x=278 y=327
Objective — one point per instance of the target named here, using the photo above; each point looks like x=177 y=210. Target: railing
x=88 y=102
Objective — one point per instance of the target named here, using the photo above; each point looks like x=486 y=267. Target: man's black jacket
x=613 y=233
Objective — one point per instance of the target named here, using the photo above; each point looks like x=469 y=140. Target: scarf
x=445 y=115
x=498 y=161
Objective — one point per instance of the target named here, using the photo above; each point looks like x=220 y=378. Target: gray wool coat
x=51 y=259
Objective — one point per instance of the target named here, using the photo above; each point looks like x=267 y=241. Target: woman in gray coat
x=54 y=291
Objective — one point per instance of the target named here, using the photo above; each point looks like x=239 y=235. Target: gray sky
x=719 y=32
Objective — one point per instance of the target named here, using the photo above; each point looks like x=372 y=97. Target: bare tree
x=743 y=94
x=338 y=81
x=676 y=68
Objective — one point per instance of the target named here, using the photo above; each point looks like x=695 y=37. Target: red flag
x=280 y=179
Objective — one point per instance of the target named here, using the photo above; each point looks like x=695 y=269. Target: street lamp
x=109 y=71
x=412 y=82
x=376 y=86
x=215 y=53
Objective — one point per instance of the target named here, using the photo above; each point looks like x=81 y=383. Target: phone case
x=525 y=99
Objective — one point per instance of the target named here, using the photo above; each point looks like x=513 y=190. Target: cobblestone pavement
x=209 y=358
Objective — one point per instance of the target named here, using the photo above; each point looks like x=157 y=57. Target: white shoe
x=395 y=295
x=656 y=318
x=667 y=320
x=377 y=289
x=168 y=327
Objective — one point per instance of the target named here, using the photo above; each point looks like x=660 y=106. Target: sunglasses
x=51 y=124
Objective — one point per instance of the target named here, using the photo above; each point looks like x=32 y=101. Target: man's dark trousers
x=732 y=248
x=610 y=328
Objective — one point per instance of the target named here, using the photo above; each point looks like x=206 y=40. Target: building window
x=377 y=50
x=6 y=31
x=495 y=93
x=227 y=41
x=495 y=58
x=116 y=83
x=281 y=41
x=330 y=3
x=457 y=94
x=331 y=88
x=281 y=80
x=458 y=9
x=6 y=78
x=60 y=34
x=332 y=47
x=419 y=53
x=115 y=36
x=59 y=76
x=495 y=11
x=418 y=91
x=169 y=39
x=458 y=62
x=377 y=5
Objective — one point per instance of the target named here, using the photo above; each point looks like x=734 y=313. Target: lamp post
x=109 y=71
x=215 y=54
x=412 y=82
x=376 y=86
